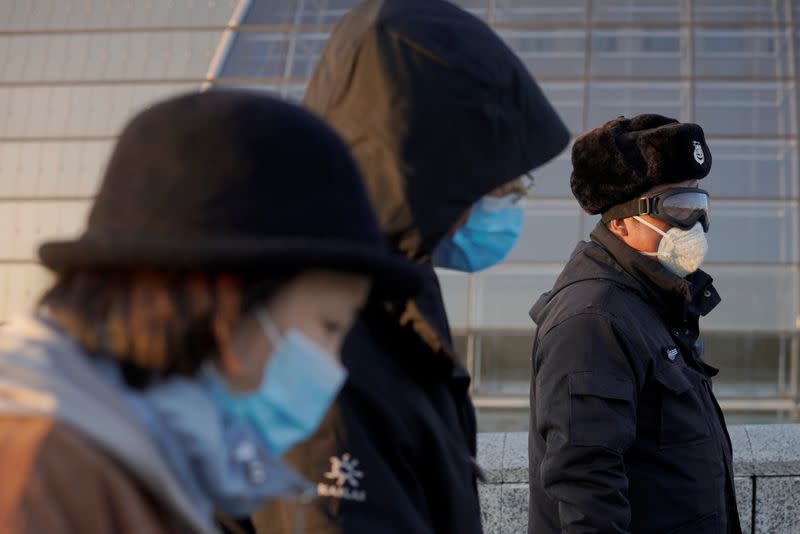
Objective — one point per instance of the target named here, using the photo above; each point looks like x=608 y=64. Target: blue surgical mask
x=485 y=239
x=300 y=382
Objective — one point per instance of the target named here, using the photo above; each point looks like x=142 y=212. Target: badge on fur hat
x=699 y=155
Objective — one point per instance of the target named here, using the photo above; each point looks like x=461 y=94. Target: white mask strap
x=269 y=326
x=650 y=225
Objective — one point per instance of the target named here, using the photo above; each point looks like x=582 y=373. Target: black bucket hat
x=237 y=181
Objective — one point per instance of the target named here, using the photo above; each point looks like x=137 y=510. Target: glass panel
x=504 y=295
x=749 y=109
x=567 y=99
x=460 y=346
x=79 y=111
x=552 y=179
x=295 y=91
x=455 y=290
x=549 y=52
x=750 y=364
x=549 y=233
x=21 y=286
x=52 y=169
x=24 y=225
x=307 y=50
x=504 y=362
x=107 y=56
x=257 y=55
x=325 y=11
x=639 y=53
x=742 y=52
x=755 y=299
x=539 y=12
x=608 y=100
x=503 y=419
x=271 y=12
x=750 y=232
x=753 y=169
x=102 y=14
x=662 y=11
x=749 y=11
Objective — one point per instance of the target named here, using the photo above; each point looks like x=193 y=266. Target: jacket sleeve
x=585 y=402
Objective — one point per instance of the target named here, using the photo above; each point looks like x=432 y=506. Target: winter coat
x=73 y=455
x=626 y=435
x=438 y=113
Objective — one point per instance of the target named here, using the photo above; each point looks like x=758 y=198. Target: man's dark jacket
x=438 y=112
x=626 y=435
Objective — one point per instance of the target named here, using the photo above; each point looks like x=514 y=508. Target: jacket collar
x=671 y=294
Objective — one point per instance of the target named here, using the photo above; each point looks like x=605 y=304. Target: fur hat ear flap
x=623 y=158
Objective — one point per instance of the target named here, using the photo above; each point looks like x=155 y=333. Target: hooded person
x=626 y=434
x=192 y=333
x=443 y=119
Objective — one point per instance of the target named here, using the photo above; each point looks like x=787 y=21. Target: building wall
x=72 y=71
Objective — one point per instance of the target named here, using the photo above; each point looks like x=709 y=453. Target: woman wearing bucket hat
x=192 y=333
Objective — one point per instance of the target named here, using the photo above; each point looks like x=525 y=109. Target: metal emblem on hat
x=699 y=155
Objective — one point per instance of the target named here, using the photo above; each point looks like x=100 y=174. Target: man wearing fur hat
x=626 y=435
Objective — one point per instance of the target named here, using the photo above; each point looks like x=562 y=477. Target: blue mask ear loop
x=268 y=325
x=303 y=498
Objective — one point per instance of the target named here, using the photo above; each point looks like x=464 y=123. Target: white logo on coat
x=346 y=479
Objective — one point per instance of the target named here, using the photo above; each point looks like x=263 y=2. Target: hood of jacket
x=437 y=110
x=44 y=372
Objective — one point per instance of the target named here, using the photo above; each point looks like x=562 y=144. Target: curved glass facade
x=72 y=72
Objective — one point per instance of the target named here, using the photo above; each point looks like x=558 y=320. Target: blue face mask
x=299 y=384
x=485 y=239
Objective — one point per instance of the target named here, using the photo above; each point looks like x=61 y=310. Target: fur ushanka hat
x=624 y=158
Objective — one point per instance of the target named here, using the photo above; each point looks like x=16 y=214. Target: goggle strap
x=636 y=206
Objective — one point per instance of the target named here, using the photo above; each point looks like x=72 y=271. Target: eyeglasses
x=679 y=206
x=523 y=187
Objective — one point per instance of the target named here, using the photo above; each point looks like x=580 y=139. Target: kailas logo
x=699 y=155
x=672 y=353
x=346 y=479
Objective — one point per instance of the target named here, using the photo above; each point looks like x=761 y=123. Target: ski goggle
x=679 y=206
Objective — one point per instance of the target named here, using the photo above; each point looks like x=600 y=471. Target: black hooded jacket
x=438 y=112
x=626 y=435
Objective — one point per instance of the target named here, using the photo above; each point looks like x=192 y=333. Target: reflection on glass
x=750 y=364
x=754 y=169
x=608 y=100
x=745 y=109
x=660 y=11
x=747 y=53
x=540 y=12
x=549 y=53
x=766 y=11
x=503 y=362
x=257 y=55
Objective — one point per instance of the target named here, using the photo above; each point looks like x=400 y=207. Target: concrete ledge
x=766 y=462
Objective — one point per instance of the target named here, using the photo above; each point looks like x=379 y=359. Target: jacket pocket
x=601 y=410
x=683 y=416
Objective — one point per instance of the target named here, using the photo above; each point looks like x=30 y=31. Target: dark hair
x=156 y=323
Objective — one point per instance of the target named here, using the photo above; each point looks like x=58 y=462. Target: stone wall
x=766 y=462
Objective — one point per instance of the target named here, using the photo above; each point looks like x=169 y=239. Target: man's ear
x=618 y=227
